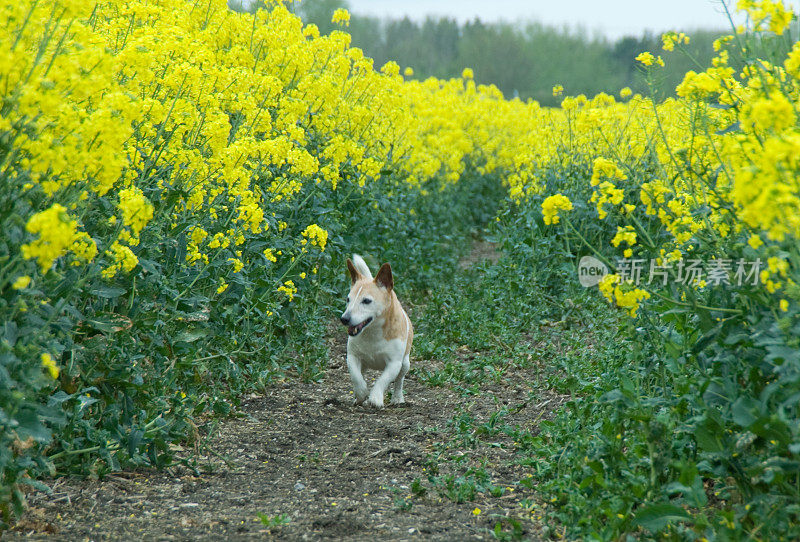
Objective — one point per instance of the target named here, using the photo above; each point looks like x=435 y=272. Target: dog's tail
x=361 y=266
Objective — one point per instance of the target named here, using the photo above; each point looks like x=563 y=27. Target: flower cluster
x=316 y=235
x=624 y=294
x=57 y=233
x=552 y=204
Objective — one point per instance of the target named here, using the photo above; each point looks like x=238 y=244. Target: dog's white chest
x=375 y=353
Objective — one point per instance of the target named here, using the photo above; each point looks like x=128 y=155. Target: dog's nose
x=345 y=319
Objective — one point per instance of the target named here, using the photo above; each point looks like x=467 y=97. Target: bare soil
x=336 y=471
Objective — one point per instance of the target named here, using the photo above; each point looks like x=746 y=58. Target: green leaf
x=134 y=440
x=31 y=426
x=742 y=411
x=10 y=333
x=657 y=516
x=108 y=292
x=707 y=440
x=735 y=127
x=190 y=336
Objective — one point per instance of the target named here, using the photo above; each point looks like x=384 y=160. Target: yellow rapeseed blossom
x=647 y=59
x=769 y=15
x=671 y=39
x=49 y=364
x=136 y=210
x=755 y=241
x=123 y=260
x=552 y=204
x=237 y=264
x=626 y=234
x=623 y=294
x=270 y=255
x=341 y=17
x=606 y=169
x=607 y=193
x=316 y=235
x=21 y=282
x=289 y=289
x=57 y=232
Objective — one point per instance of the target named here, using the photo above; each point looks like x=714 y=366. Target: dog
x=380 y=333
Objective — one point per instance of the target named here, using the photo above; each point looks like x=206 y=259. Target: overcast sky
x=613 y=18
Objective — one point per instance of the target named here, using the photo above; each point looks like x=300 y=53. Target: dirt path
x=312 y=466
x=336 y=471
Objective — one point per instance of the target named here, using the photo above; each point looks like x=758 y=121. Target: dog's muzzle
x=355 y=330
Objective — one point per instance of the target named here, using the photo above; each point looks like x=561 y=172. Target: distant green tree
x=319 y=12
x=524 y=60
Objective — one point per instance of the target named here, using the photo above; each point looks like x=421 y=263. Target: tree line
x=524 y=60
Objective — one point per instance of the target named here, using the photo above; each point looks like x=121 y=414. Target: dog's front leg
x=359 y=385
x=388 y=376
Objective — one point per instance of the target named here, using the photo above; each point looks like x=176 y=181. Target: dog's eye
x=366 y=301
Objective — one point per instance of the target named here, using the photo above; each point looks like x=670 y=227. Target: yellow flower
x=57 y=232
x=269 y=255
x=624 y=294
x=408 y=72
x=671 y=39
x=50 y=365
x=237 y=264
x=83 y=247
x=220 y=240
x=784 y=305
x=775 y=113
x=626 y=234
x=755 y=241
x=558 y=90
x=289 y=289
x=608 y=193
x=317 y=235
x=603 y=167
x=552 y=204
x=21 y=282
x=222 y=286
x=476 y=512
x=626 y=92
x=341 y=17
x=123 y=260
x=467 y=73
x=136 y=209
x=646 y=58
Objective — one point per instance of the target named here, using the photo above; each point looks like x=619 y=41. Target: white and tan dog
x=380 y=333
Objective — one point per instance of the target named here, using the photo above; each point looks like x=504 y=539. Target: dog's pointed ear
x=384 y=277
x=354 y=274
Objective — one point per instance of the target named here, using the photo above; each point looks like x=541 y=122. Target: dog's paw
x=375 y=402
x=359 y=401
x=398 y=399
